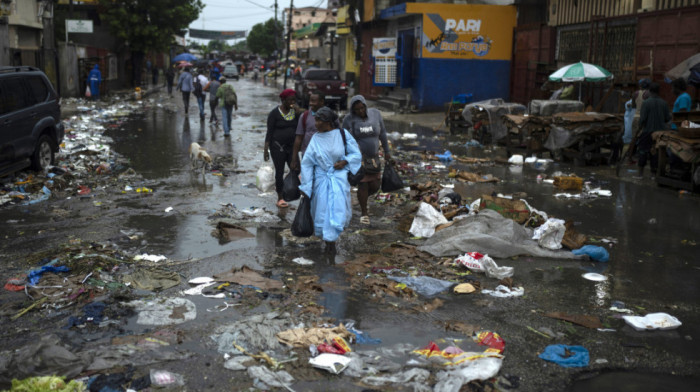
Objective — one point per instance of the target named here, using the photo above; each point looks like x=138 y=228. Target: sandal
x=364 y=220
x=282 y=204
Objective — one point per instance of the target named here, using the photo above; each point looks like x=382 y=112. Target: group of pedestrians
x=329 y=153
x=652 y=114
x=219 y=91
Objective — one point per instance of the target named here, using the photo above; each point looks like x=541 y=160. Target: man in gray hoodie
x=367 y=127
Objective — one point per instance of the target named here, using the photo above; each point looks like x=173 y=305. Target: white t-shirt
x=203 y=80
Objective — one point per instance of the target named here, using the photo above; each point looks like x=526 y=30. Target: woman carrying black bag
x=367 y=127
x=328 y=159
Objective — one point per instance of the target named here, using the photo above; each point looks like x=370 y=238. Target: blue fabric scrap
x=597 y=253
x=363 y=338
x=34 y=275
x=557 y=353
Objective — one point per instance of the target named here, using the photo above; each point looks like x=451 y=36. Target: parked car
x=231 y=72
x=328 y=82
x=30 y=120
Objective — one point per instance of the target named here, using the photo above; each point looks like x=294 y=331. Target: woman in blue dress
x=324 y=176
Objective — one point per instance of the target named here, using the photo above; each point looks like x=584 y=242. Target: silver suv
x=30 y=120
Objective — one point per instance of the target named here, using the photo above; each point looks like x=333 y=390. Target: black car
x=30 y=120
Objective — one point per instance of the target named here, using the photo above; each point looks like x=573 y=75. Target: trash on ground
x=363 y=337
x=425 y=221
x=502 y=291
x=304 y=337
x=550 y=234
x=265 y=178
x=580 y=319
x=264 y=378
x=516 y=210
x=464 y=288
x=597 y=253
x=566 y=356
x=477 y=262
x=568 y=183
x=47 y=383
x=414 y=376
x=167 y=311
x=594 y=277
x=515 y=159
x=164 y=378
x=491 y=339
x=227 y=232
x=333 y=363
x=492 y=234
x=147 y=257
x=423 y=285
x=651 y=321
x=302 y=261
x=246 y=276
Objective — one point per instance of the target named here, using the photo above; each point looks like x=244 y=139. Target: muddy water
x=651 y=268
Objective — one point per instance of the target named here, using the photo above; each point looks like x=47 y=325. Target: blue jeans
x=200 y=103
x=226 y=112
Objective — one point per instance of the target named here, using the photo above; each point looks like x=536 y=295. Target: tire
x=43 y=155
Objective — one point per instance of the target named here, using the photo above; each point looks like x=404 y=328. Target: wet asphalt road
x=653 y=267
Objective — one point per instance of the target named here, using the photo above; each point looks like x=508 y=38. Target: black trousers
x=186 y=100
x=280 y=156
x=213 y=103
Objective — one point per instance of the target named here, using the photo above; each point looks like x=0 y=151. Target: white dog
x=198 y=156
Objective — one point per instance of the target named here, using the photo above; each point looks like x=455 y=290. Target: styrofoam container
x=651 y=321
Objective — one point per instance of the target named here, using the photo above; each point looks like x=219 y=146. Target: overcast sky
x=226 y=15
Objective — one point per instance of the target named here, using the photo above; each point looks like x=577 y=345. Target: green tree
x=221 y=46
x=148 y=25
x=261 y=39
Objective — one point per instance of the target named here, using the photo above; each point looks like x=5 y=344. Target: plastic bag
x=597 y=253
x=425 y=221
x=164 y=378
x=477 y=262
x=516 y=159
x=629 y=118
x=88 y=93
x=550 y=234
x=303 y=225
x=290 y=188
x=390 y=179
x=424 y=285
x=265 y=179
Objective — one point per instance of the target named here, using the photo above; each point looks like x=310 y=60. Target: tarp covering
x=540 y=107
x=489 y=233
x=495 y=110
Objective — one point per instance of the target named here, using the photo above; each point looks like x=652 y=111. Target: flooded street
x=650 y=232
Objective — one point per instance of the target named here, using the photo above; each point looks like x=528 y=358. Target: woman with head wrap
x=330 y=155
x=367 y=127
x=279 y=140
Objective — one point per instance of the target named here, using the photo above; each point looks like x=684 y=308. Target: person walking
x=186 y=85
x=329 y=156
x=170 y=78
x=228 y=98
x=654 y=117
x=212 y=88
x=307 y=127
x=279 y=140
x=367 y=127
x=94 y=79
x=199 y=82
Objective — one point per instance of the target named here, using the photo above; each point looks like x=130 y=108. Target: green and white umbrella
x=581 y=72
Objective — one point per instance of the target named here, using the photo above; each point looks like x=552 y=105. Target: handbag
x=353 y=179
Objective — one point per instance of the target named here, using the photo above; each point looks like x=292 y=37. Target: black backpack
x=197 y=87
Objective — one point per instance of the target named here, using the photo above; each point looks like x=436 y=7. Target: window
x=38 y=88
x=14 y=96
x=385 y=71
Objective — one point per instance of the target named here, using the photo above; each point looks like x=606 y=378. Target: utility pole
x=289 y=38
x=277 y=46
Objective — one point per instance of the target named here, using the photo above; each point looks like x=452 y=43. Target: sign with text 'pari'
x=468 y=31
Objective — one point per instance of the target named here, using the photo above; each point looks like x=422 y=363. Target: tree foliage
x=149 y=24
x=261 y=39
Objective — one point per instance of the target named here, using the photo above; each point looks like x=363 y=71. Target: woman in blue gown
x=324 y=176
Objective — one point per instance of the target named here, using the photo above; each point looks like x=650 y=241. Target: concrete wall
x=68 y=64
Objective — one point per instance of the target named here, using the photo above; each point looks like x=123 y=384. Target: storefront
x=443 y=50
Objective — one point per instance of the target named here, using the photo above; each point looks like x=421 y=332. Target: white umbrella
x=581 y=72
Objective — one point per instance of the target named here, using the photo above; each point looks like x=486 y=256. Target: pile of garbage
x=85 y=162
